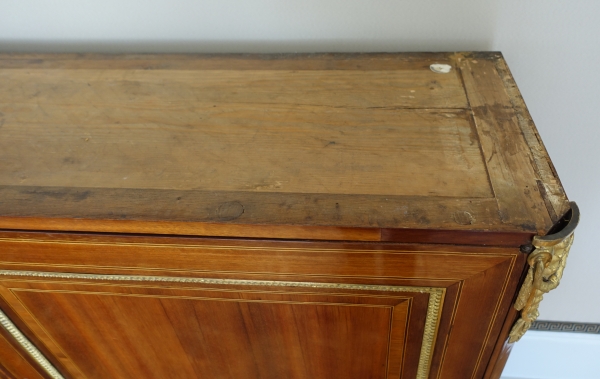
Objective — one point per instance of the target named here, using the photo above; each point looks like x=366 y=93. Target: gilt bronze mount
x=546 y=264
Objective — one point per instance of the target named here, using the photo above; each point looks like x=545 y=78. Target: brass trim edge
x=432 y=318
x=434 y=308
x=546 y=265
x=28 y=346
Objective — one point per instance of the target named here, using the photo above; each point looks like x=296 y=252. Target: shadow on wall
x=266 y=46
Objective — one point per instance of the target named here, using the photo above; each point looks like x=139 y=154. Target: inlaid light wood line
x=452 y=318
x=457 y=306
x=237 y=290
x=490 y=324
x=495 y=314
x=450 y=280
x=203 y=298
x=406 y=331
x=261 y=248
x=389 y=344
x=434 y=308
x=7 y=324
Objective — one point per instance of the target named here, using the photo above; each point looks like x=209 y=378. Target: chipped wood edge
x=548 y=181
x=513 y=176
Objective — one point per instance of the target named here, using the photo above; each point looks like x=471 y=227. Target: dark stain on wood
x=230 y=211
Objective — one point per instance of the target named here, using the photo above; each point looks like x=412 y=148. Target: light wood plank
x=413 y=88
x=244 y=148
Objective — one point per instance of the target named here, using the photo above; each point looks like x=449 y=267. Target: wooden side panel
x=472 y=335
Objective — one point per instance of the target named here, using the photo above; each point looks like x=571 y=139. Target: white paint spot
x=440 y=68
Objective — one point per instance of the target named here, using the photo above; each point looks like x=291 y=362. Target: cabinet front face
x=131 y=307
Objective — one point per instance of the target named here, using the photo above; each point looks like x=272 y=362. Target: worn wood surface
x=304 y=149
x=322 y=146
x=547 y=178
x=105 y=328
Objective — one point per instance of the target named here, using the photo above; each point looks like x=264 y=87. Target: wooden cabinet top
x=326 y=146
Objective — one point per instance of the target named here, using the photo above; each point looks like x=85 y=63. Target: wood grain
x=172 y=89
x=550 y=186
x=197 y=258
x=229 y=141
x=507 y=155
x=319 y=61
x=476 y=280
x=206 y=181
x=299 y=149
x=295 y=336
x=168 y=212
x=15 y=362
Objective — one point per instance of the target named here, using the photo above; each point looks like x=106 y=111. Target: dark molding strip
x=568 y=327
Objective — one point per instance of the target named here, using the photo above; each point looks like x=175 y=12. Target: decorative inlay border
x=570 y=327
x=245 y=248
x=28 y=346
x=436 y=297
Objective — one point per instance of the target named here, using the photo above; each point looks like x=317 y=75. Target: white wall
x=552 y=355
x=246 y=26
x=552 y=47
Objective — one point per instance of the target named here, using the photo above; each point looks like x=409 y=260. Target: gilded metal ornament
x=546 y=265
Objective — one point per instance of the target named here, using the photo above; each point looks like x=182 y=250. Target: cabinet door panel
x=113 y=330
x=193 y=308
